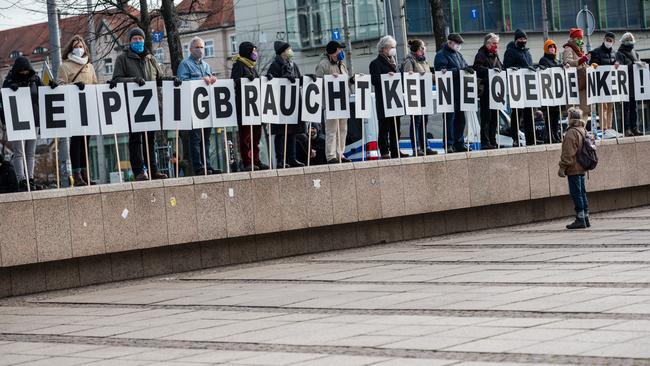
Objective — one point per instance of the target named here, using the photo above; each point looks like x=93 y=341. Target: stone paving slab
x=533 y=294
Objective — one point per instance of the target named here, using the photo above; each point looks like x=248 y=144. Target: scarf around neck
x=79 y=60
x=248 y=62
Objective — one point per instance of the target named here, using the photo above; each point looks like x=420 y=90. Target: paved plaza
x=534 y=294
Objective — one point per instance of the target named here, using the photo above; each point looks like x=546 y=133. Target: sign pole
x=227 y=148
x=146 y=143
x=87 y=160
x=268 y=133
x=178 y=158
x=497 y=134
x=363 y=140
x=252 y=151
x=205 y=161
x=56 y=152
x=399 y=153
x=532 y=116
x=550 y=135
x=338 y=141
x=309 y=144
x=117 y=154
x=415 y=137
x=444 y=127
x=284 y=152
x=29 y=188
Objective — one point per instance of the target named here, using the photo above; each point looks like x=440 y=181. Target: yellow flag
x=46 y=74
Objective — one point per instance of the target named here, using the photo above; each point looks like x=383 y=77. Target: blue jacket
x=517 y=57
x=448 y=59
x=190 y=70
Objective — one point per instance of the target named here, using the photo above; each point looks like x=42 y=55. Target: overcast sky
x=12 y=15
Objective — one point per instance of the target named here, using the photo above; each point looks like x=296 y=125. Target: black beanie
x=280 y=46
x=520 y=34
x=246 y=49
x=136 y=32
x=610 y=35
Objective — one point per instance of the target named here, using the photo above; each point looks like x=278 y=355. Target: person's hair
x=384 y=42
x=70 y=45
x=574 y=113
x=415 y=44
x=196 y=39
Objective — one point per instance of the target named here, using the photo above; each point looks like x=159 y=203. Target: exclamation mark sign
x=641 y=81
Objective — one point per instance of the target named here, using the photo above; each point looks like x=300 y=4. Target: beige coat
x=68 y=69
x=571 y=145
x=569 y=56
x=327 y=67
x=411 y=64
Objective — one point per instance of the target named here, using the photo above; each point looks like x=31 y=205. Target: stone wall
x=71 y=237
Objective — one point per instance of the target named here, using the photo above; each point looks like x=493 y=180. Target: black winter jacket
x=517 y=57
x=380 y=66
x=31 y=80
x=603 y=55
x=549 y=61
x=239 y=70
x=452 y=61
x=627 y=56
x=483 y=61
x=281 y=68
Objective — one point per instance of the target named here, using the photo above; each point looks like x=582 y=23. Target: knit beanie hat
x=610 y=35
x=136 y=32
x=520 y=34
x=549 y=42
x=246 y=49
x=280 y=46
x=628 y=38
x=576 y=33
x=490 y=37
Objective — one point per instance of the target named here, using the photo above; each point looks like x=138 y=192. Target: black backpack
x=586 y=156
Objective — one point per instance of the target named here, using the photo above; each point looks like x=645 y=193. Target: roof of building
x=215 y=13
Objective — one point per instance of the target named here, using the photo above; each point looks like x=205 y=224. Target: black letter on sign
x=622 y=82
x=573 y=83
x=390 y=91
x=444 y=91
x=339 y=94
x=513 y=82
x=202 y=111
x=547 y=83
x=591 y=83
x=423 y=94
x=603 y=83
x=222 y=106
x=559 y=85
x=83 y=109
x=269 y=101
x=112 y=103
x=15 y=120
x=411 y=88
x=146 y=95
x=51 y=110
x=468 y=87
x=177 y=104
x=250 y=100
x=529 y=82
x=498 y=89
x=363 y=87
x=311 y=89
x=287 y=111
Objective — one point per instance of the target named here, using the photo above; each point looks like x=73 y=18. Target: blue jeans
x=456 y=129
x=578 y=193
x=196 y=149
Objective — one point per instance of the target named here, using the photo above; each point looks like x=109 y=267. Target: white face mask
x=392 y=52
x=79 y=52
x=609 y=44
x=456 y=47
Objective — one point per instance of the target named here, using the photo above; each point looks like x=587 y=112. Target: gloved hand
x=269 y=77
x=112 y=84
x=541 y=67
x=177 y=82
x=14 y=87
x=80 y=85
x=469 y=70
x=560 y=173
x=291 y=79
x=53 y=84
x=583 y=59
x=351 y=80
x=594 y=65
x=312 y=76
x=514 y=68
x=532 y=68
x=497 y=69
x=251 y=77
x=140 y=81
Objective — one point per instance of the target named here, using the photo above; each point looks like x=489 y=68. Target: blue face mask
x=137 y=47
x=340 y=56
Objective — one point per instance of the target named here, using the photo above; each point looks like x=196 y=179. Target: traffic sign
x=336 y=34
x=157 y=36
x=586 y=21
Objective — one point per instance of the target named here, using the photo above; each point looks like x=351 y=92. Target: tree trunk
x=170 y=17
x=438 y=23
x=145 y=23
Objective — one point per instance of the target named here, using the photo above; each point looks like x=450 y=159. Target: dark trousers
x=552 y=115
x=578 y=193
x=525 y=116
x=388 y=142
x=250 y=153
x=279 y=148
x=196 y=150
x=630 y=115
x=456 y=129
x=77 y=154
x=419 y=137
x=137 y=154
x=489 y=123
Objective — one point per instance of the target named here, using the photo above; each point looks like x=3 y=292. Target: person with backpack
x=416 y=61
x=77 y=69
x=487 y=58
x=571 y=166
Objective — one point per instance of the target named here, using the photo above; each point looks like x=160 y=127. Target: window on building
x=39 y=50
x=159 y=53
x=15 y=54
x=623 y=14
x=473 y=15
x=418 y=17
x=569 y=10
x=234 y=47
x=526 y=15
x=108 y=66
x=209 y=48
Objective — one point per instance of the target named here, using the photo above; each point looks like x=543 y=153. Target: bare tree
x=438 y=23
x=170 y=17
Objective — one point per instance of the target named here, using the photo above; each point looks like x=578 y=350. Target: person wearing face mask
x=22 y=74
x=77 y=69
x=518 y=56
x=449 y=58
x=284 y=67
x=136 y=64
x=487 y=58
x=574 y=56
x=549 y=59
x=605 y=55
x=385 y=63
x=336 y=130
x=416 y=61
x=195 y=68
x=244 y=67
x=627 y=56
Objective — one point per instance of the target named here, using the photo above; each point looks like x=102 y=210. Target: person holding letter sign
x=605 y=56
x=574 y=55
x=336 y=130
x=22 y=74
x=549 y=59
x=449 y=58
x=487 y=58
x=626 y=55
x=284 y=67
x=77 y=69
x=518 y=56
x=244 y=67
x=136 y=64
x=416 y=61
x=194 y=68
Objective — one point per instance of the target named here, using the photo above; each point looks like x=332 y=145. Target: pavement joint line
x=501 y=357
x=474 y=262
x=533 y=246
x=359 y=311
